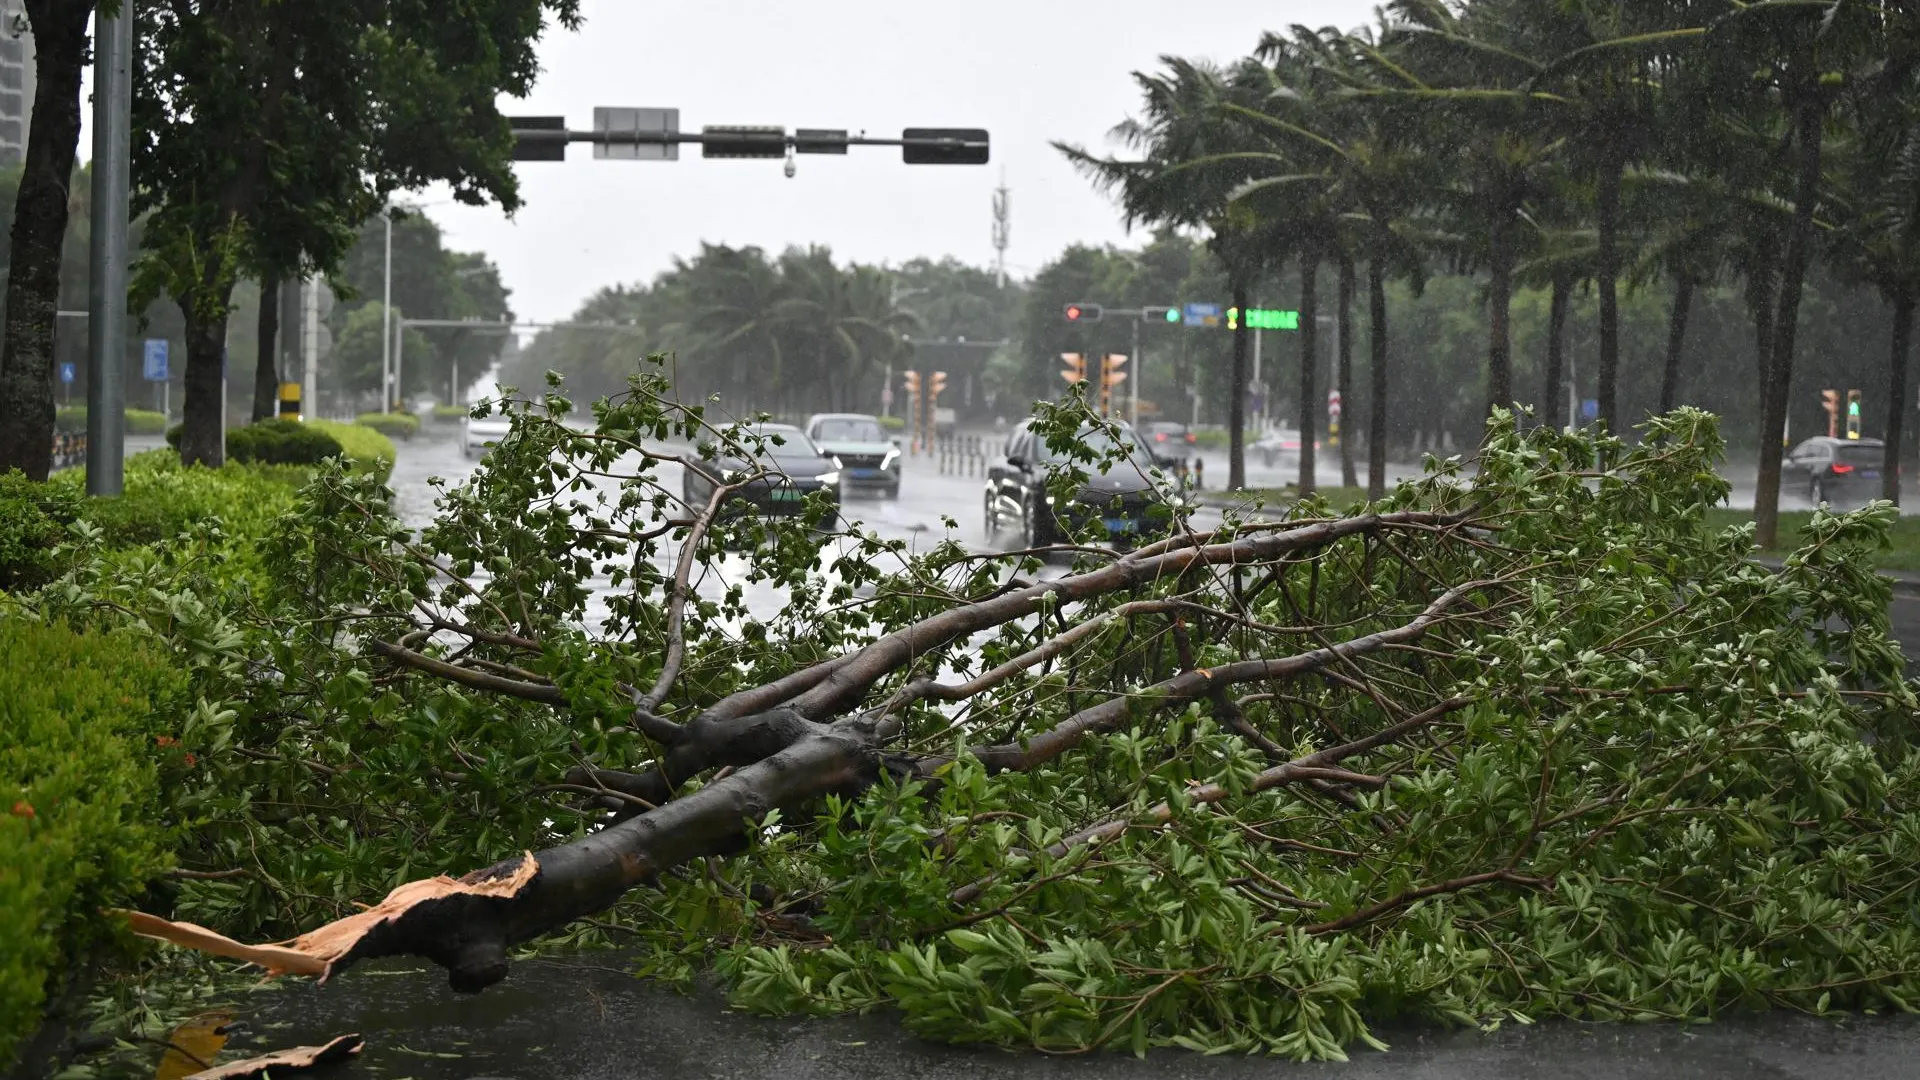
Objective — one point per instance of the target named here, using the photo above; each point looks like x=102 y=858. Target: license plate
x=864 y=474
x=788 y=495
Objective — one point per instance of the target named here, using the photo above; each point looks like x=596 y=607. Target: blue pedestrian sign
x=1203 y=314
x=66 y=372
x=156 y=359
x=1589 y=408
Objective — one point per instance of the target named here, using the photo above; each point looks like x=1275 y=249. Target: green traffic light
x=1173 y=315
x=1853 y=408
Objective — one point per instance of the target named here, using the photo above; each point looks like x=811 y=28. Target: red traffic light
x=1083 y=312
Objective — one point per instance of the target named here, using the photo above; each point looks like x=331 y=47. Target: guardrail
x=967 y=455
x=69 y=451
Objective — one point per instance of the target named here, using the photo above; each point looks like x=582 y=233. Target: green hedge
x=392 y=425
x=449 y=414
x=162 y=498
x=33 y=520
x=369 y=450
x=366 y=450
x=72 y=420
x=281 y=442
x=893 y=423
x=79 y=817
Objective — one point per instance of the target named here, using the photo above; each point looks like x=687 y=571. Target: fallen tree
x=1534 y=743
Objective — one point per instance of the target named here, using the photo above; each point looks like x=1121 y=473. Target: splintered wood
x=282 y=1061
x=314 y=953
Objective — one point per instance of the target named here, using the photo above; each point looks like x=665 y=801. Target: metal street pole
x=107 y=326
x=399 y=357
x=1133 y=408
x=1259 y=418
x=386 y=321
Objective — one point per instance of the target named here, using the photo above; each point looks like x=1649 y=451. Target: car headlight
x=830 y=479
x=888 y=462
x=836 y=463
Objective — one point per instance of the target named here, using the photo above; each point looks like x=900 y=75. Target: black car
x=1169 y=441
x=793 y=465
x=1839 y=472
x=1122 y=498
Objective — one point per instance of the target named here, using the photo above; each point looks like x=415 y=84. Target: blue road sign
x=1589 y=408
x=1203 y=314
x=66 y=372
x=156 y=359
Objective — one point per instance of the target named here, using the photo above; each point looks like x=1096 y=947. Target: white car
x=477 y=435
x=1278 y=445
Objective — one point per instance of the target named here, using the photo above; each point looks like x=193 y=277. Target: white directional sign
x=663 y=121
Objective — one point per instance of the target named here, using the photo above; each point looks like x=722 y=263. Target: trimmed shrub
x=281 y=442
x=72 y=420
x=370 y=451
x=893 y=423
x=145 y=422
x=33 y=521
x=392 y=425
x=78 y=806
x=449 y=414
x=163 y=498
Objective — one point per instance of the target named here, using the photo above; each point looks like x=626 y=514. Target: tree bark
x=1550 y=393
x=202 y=440
x=1903 y=305
x=1309 y=359
x=1608 y=221
x=39 y=234
x=1808 y=117
x=1499 y=304
x=266 y=377
x=1237 y=395
x=1676 y=343
x=1344 y=375
x=1377 y=396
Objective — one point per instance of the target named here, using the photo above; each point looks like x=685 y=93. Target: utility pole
x=310 y=338
x=107 y=324
x=1002 y=228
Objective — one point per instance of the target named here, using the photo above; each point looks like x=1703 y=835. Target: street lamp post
x=387 y=366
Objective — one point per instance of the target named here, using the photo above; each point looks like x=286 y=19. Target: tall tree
x=264 y=129
x=39 y=231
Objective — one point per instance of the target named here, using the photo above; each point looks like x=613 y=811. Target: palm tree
x=1877 y=240
x=1181 y=125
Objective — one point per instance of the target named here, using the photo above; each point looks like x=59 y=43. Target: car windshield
x=1861 y=455
x=1100 y=444
x=794 y=444
x=856 y=429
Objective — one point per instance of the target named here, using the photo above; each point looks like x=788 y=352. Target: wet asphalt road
x=927 y=498
x=584 y=1018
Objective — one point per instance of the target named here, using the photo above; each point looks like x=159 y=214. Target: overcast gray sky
x=1027 y=70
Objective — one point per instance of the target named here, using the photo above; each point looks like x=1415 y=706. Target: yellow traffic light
x=1076 y=367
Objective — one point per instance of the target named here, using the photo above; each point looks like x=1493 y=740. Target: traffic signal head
x=1853 y=414
x=1164 y=314
x=1076 y=370
x=912 y=379
x=1084 y=312
x=1830 y=400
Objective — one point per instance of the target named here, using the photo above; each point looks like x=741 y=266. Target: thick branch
x=478 y=680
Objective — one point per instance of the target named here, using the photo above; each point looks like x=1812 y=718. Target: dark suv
x=1839 y=472
x=1122 y=498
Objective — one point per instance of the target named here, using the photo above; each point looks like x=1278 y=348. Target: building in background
x=16 y=92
